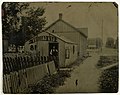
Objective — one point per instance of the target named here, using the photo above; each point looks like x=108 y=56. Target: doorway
x=51 y=45
x=54 y=54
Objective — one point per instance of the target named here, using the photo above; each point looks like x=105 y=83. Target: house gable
x=60 y=26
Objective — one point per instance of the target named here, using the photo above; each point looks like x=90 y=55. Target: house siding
x=62 y=29
x=73 y=55
x=61 y=53
x=43 y=49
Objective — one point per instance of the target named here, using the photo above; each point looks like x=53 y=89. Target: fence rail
x=17 y=78
x=18 y=63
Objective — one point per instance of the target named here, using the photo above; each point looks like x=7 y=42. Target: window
x=52 y=31
x=31 y=47
x=73 y=49
x=67 y=53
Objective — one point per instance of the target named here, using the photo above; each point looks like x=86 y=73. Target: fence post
x=17 y=65
x=24 y=62
x=20 y=61
x=4 y=66
x=11 y=64
x=34 y=60
x=14 y=65
x=42 y=59
x=27 y=62
x=8 y=64
x=39 y=60
x=45 y=59
x=31 y=61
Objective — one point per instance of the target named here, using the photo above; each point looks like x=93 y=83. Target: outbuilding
x=44 y=42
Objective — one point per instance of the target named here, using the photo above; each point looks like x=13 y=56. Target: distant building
x=94 y=43
x=116 y=44
x=45 y=41
x=78 y=35
x=110 y=42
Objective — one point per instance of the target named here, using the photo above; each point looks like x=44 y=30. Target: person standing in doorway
x=54 y=54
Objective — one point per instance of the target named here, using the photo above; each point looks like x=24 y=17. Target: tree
x=110 y=42
x=12 y=27
x=34 y=22
x=11 y=20
x=10 y=16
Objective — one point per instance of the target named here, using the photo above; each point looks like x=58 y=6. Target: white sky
x=79 y=15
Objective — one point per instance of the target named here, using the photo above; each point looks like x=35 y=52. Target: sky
x=97 y=17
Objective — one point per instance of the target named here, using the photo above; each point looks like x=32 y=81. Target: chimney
x=60 y=15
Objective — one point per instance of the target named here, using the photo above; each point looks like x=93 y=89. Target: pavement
x=87 y=76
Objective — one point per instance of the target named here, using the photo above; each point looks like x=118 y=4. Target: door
x=53 y=45
x=53 y=53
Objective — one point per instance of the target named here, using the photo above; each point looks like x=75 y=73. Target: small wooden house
x=94 y=43
x=77 y=35
x=45 y=41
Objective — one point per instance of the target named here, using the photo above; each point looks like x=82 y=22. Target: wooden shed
x=45 y=41
x=77 y=35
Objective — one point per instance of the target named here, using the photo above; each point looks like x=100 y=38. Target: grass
x=106 y=60
x=48 y=84
x=109 y=80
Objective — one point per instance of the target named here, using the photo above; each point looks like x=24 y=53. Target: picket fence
x=14 y=64
x=20 y=72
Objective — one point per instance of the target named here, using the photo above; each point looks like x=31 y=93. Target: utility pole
x=102 y=34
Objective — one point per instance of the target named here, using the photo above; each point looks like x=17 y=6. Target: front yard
x=49 y=83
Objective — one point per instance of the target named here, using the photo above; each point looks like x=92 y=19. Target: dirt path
x=86 y=75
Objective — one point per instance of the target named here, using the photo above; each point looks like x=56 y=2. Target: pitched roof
x=83 y=30
x=67 y=24
x=51 y=24
x=61 y=38
x=57 y=36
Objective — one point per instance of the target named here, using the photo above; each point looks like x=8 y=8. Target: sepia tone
x=56 y=47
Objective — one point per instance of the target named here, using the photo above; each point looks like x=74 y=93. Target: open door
x=54 y=53
x=53 y=45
